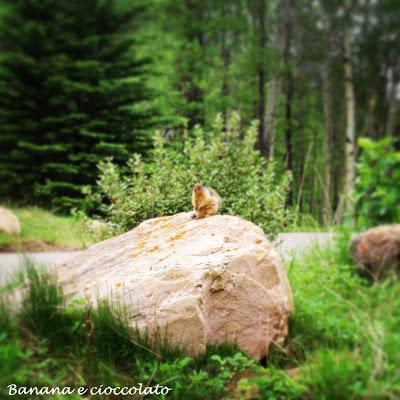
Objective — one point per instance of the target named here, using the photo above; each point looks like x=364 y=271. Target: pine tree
x=71 y=93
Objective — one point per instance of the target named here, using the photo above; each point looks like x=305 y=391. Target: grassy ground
x=306 y=223
x=344 y=343
x=43 y=231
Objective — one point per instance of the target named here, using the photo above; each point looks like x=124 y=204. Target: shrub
x=272 y=384
x=377 y=193
x=223 y=159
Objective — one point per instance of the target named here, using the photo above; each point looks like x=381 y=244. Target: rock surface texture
x=201 y=281
x=377 y=250
x=9 y=222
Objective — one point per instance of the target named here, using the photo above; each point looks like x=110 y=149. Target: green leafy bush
x=272 y=384
x=223 y=159
x=377 y=193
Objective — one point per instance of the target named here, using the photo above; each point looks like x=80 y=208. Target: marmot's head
x=198 y=187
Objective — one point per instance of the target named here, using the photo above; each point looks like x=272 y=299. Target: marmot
x=205 y=200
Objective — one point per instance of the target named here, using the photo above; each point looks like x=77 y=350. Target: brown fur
x=205 y=201
x=377 y=251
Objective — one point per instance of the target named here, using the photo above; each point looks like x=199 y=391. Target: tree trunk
x=274 y=93
x=289 y=89
x=367 y=129
x=262 y=31
x=226 y=58
x=289 y=124
x=192 y=63
x=393 y=102
x=328 y=133
x=348 y=181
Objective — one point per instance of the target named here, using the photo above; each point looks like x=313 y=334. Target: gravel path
x=288 y=244
x=293 y=244
x=12 y=262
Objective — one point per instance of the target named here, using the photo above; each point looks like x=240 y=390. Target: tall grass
x=42 y=308
x=8 y=328
x=343 y=335
x=55 y=341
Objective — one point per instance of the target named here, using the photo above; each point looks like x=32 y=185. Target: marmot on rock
x=205 y=201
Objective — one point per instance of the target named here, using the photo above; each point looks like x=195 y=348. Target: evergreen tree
x=71 y=93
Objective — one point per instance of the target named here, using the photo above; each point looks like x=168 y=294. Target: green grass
x=344 y=343
x=345 y=336
x=307 y=223
x=41 y=225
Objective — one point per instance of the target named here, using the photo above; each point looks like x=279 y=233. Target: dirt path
x=288 y=244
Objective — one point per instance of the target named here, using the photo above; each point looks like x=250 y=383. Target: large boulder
x=377 y=250
x=9 y=222
x=200 y=281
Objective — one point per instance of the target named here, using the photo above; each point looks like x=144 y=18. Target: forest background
x=82 y=81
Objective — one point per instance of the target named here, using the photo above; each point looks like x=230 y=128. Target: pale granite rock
x=9 y=222
x=201 y=281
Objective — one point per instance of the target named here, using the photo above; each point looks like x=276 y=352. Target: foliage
x=377 y=196
x=72 y=92
x=81 y=81
x=342 y=337
x=224 y=159
x=273 y=384
x=217 y=55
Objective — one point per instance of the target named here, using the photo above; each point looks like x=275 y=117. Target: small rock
x=377 y=250
x=9 y=222
x=98 y=227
